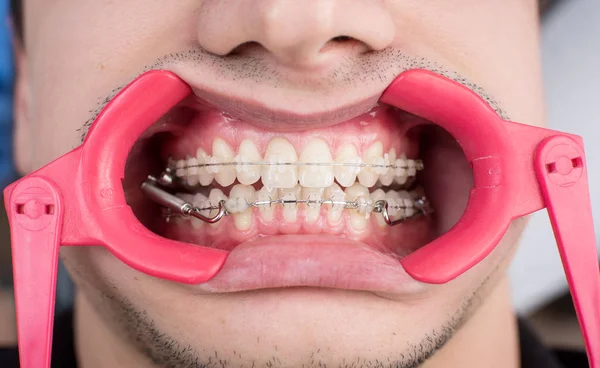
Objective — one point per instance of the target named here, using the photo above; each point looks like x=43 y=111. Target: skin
x=76 y=52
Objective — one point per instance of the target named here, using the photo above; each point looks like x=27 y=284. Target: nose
x=300 y=33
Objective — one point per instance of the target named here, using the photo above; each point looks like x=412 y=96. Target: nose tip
x=304 y=33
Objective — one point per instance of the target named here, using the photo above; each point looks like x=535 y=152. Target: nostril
x=245 y=48
x=341 y=39
x=347 y=43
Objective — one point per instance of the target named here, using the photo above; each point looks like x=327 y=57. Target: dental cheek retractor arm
x=78 y=200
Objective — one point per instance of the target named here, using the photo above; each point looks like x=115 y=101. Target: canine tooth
x=280 y=151
x=223 y=153
x=238 y=203
x=316 y=176
x=313 y=210
x=373 y=155
x=205 y=177
x=379 y=195
x=240 y=198
x=389 y=159
x=216 y=195
x=357 y=193
x=265 y=194
x=199 y=201
x=336 y=194
x=248 y=152
x=290 y=210
x=191 y=175
x=400 y=171
x=180 y=168
x=346 y=175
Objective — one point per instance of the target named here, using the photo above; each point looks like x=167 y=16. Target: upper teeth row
x=282 y=168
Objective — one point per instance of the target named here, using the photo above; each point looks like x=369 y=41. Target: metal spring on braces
x=175 y=206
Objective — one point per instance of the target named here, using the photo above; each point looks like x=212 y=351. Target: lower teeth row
x=393 y=206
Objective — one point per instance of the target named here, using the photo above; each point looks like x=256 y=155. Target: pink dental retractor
x=78 y=200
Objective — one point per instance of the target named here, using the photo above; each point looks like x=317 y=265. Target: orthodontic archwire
x=155 y=190
x=240 y=165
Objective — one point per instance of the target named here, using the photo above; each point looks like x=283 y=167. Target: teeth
x=313 y=210
x=248 y=152
x=379 y=195
x=395 y=204
x=401 y=173
x=316 y=176
x=199 y=201
x=205 y=178
x=408 y=203
x=360 y=194
x=222 y=153
x=373 y=155
x=191 y=173
x=290 y=210
x=388 y=159
x=335 y=193
x=238 y=204
x=180 y=168
x=216 y=196
x=280 y=150
x=346 y=175
x=267 y=211
x=412 y=168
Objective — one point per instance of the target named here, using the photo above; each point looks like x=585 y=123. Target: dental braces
x=411 y=166
x=175 y=206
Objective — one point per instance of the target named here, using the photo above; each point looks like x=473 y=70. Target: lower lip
x=323 y=261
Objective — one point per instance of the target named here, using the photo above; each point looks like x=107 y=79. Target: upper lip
x=271 y=110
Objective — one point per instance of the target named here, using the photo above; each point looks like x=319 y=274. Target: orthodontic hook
x=175 y=204
x=381 y=206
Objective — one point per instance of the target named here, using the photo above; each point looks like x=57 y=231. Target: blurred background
x=571 y=60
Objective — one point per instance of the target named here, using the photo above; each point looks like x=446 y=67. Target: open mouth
x=334 y=205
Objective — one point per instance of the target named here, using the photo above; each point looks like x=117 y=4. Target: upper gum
x=362 y=132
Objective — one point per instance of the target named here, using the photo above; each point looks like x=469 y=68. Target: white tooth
x=290 y=210
x=336 y=194
x=199 y=201
x=205 y=177
x=412 y=168
x=379 y=195
x=408 y=202
x=216 y=196
x=346 y=175
x=358 y=193
x=313 y=210
x=373 y=155
x=192 y=171
x=238 y=203
x=248 y=152
x=171 y=162
x=401 y=172
x=389 y=159
x=395 y=205
x=280 y=150
x=316 y=176
x=264 y=195
x=223 y=153
x=180 y=168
